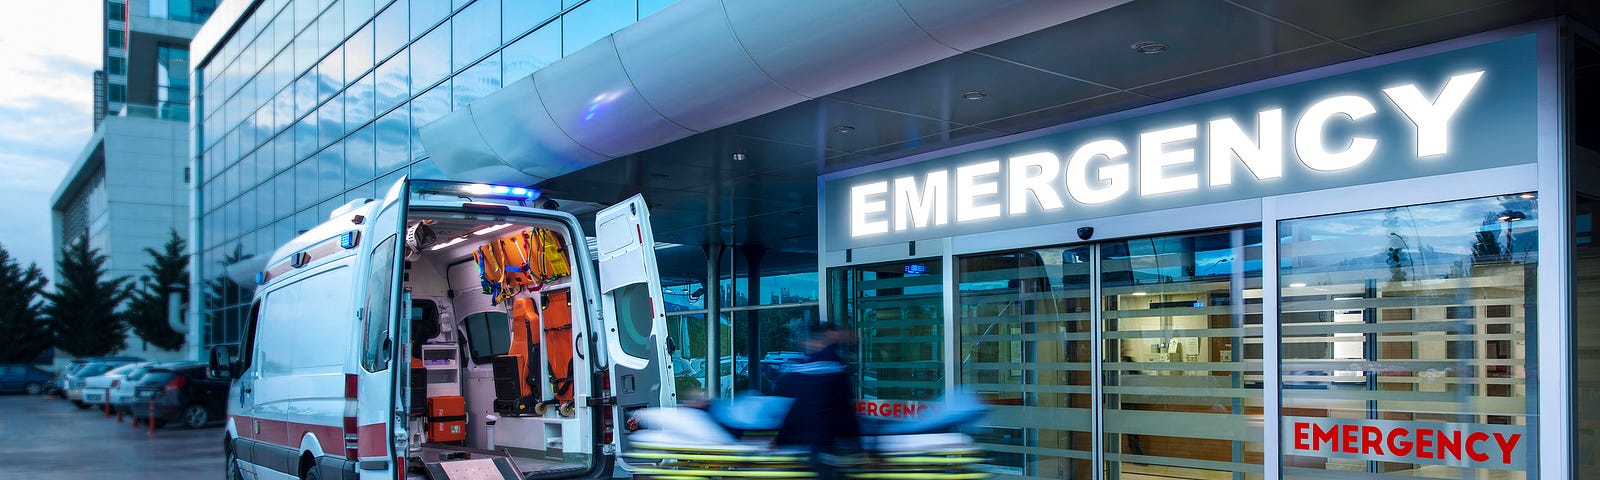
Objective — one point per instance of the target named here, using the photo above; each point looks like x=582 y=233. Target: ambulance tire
x=311 y=474
x=233 y=466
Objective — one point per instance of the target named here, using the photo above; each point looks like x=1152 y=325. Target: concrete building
x=1019 y=197
x=128 y=187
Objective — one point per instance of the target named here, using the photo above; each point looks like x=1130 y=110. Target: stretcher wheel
x=567 y=409
x=540 y=408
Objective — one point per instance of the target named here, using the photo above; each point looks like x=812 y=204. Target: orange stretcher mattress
x=558 y=342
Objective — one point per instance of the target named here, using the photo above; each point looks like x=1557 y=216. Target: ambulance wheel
x=540 y=408
x=233 y=466
x=311 y=474
x=567 y=409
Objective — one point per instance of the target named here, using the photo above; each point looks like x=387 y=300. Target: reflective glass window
x=330 y=75
x=305 y=51
x=898 y=310
x=648 y=7
x=390 y=29
x=477 y=32
x=283 y=158
x=284 y=186
x=393 y=82
x=305 y=184
x=330 y=29
x=430 y=58
x=358 y=102
x=1408 y=345
x=116 y=38
x=688 y=336
x=330 y=172
x=330 y=121
x=358 y=52
x=476 y=82
x=359 y=153
x=594 y=20
x=426 y=13
x=393 y=140
x=356 y=12
x=116 y=65
x=520 y=15
x=305 y=137
x=533 y=52
x=427 y=107
x=426 y=169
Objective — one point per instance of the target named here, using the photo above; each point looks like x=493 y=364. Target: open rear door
x=635 y=317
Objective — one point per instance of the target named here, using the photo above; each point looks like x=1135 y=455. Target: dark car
x=18 y=377
x=182 y=393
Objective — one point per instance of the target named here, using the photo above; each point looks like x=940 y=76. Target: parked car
x=76 y=382
x=180 y=392
x=19 y=377
x=123 y=392
x=58 y=385
x=97 y=389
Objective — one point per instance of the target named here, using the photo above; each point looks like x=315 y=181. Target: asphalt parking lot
x=49 y=439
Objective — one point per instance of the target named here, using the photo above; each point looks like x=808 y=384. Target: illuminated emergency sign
x=1433 y=443
x=890 y=409
x=1468 y=109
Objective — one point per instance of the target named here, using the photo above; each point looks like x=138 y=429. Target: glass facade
x=313 y=103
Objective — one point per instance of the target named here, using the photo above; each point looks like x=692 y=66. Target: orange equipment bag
x=558 y=342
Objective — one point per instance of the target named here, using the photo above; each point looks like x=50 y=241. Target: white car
x=97 y=389
x=122 y=391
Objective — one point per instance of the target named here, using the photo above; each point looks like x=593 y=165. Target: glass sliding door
x=1407 y=341
x=1026 y=337
x=897 y=312
x=1181 y=325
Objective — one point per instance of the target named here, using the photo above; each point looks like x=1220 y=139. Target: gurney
x=692 y=444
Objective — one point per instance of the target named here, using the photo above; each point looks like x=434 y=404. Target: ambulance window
x=633 y=317
x=380 y=293
x=489 y=335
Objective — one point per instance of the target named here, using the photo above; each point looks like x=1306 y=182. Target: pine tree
x=24 y=332
x=147 y=302
x=82 y=311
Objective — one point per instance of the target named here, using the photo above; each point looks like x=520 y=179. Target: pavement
x=49 y=439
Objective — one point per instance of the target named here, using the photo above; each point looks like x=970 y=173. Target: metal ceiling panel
x=813 y=123
x=1350 y=18
x=1245 y=72
x=522 y=133
x=592 y=99
x=1069 y=112
x=1199 y=35
x=672 y=76
x=474 y=160
x=1450 y=25
x=823 y=46
x=969 y=25
x=935 y=90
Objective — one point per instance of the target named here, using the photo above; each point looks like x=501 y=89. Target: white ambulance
x=448 y=331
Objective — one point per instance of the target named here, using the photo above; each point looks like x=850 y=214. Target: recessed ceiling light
x=1149 y=48
x=974 y=95
x=738 y=157
x=843 y=129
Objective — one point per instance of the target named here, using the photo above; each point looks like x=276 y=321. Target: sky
x=49 y=51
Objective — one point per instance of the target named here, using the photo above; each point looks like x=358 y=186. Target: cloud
x=50 y=50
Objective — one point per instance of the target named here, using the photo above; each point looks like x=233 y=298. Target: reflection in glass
x=1586 y=333
x=688 y=336
x=1026 y=349
x=520 y=15
x=533 y=52
x=764 y=341
x=1182 y=326
x=1410 y=320
x=477 y=32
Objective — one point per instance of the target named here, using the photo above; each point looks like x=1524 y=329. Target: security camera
x=1085 y=232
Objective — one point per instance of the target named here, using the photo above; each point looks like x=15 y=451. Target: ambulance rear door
x=634 y=313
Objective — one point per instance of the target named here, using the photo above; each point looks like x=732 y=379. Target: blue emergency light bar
x=476 y=190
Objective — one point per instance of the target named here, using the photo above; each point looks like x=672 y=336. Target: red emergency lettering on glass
x=1450 y=445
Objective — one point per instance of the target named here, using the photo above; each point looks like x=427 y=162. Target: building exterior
x=128 y=188
x=1181 y=239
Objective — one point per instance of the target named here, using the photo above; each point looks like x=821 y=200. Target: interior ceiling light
x=490 y=229
x=974 y=95
x=738 y=156
x=843 y=129
x=452 y=241
x=1150 y=48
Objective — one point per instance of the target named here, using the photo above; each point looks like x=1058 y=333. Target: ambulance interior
x=492 y=363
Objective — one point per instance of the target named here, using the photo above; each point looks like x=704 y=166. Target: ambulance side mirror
x=223 y=363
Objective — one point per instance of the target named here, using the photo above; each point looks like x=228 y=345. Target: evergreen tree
x=82 y=311
x=21 y=326
x=147 y=302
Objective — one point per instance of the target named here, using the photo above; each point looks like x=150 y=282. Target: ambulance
x=448 y=331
